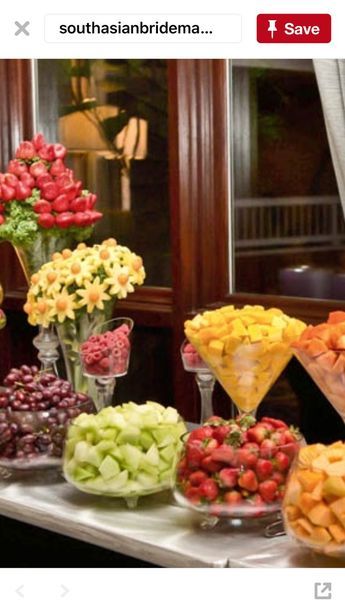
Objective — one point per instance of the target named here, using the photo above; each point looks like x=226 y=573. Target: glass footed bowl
x=244 y=484
x=31 y=440
x=106 y=353
x=191 y=360
x=314 y=501
x=119 y=460
x=327 y=369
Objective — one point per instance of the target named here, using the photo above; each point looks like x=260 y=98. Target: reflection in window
x=112 y=116
x=288 y=217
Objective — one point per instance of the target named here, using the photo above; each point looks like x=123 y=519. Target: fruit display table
x=157 y=531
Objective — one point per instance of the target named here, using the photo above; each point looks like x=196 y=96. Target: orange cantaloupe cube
x=336 y=317
x=326 y=360
x=316 y=347
x=309 y=479
x=305 y=525
x=306 y=502
x=321 y=515
x=320 y=536
x=337 y=532
x=339 y=365
x=292 y=512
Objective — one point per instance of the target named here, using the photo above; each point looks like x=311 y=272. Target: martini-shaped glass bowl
x=328 y=372
x=247 y=371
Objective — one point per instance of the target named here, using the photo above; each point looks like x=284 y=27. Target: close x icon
x=294 y=28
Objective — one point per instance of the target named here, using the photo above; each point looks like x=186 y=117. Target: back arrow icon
x=19 y=591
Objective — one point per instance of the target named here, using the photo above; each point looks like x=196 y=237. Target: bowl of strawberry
x=236 y=468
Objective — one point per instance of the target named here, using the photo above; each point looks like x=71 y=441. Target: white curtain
x=330 y=75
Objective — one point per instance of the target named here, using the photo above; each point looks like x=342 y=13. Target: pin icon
x=272 y=27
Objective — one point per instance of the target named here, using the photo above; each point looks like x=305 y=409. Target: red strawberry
x=209 y=489
x=27 y=179
x=257 y=433
x=23 y=191
x=194 y=454
x=26 y=150
x=246 y=458
x=224 y=454
x=197 y=477
x=248 y=481
x=278 y=438
x=278 y=477
x=207 y=463
x=233 y=498
x=49 y=191
x=95 y=216
x=91 y=201
x=10 y=179
x=64 y=220
x=220 y=433
x=37 y=169
x=264 y=469
x=199 y=434
x=193 y=494
x=70 y=190
x=282 y=461
x=46 y=220
x=268 y=490
x=267 y=448
x=42 y=206
x=276 y=423
x=16 y=167
x=59 y=150
x=228 y=477
x=57 y=168
x=7 y=193
x=43 y=179
x=210 y=445
x=47 y=153
x=2 y=220
x=79 y=205
x=38 y=141
x=61 y=204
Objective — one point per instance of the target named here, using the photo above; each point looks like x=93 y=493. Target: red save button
x=294 y=28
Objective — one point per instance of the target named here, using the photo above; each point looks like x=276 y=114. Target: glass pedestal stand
x=102 y=390
x=205 y=381
x=47 y=344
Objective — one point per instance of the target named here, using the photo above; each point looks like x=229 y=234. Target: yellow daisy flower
x=79 y=272
x=94 y=295
x=63 y=305
x=120 y=283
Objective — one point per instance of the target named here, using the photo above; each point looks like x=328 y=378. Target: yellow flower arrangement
x=82 y=281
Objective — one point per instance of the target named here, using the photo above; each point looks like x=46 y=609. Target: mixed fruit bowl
x=126 y=451
x=236 y=468
x=35 y=411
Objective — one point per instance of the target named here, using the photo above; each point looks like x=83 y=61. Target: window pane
x=124 y=159
x=288 y=217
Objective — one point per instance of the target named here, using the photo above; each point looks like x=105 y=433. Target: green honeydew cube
x=152 y=455
x=117 y=483
x=168 y=453
x=131 y=457
x=130 y=434
x=109 y=468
